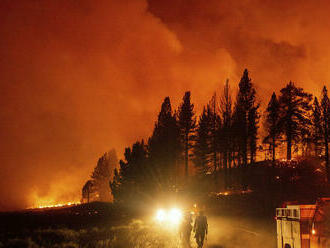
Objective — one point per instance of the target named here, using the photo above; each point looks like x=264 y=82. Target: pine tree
x=236 y=136
x=214 y=131
x=164 y=146
x=206 y=148
x=226 y=130
x=272 y=123
x=201 y=150
x=317 y=133
x=133 y=179
x=246 y=116
x=133 y=168
x=325 y=111
x=116 y=185
x=295 y=105
x=187 y=125
x=253 y=121
x=102 y=174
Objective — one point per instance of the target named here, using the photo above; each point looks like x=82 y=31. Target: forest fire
x=116 y=116
x=56 y=205
x=232 y=192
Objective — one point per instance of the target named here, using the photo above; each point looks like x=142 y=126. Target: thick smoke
x=80 y=77
x=277 y=41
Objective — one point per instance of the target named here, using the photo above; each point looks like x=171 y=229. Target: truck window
x=287 y=213
x=295 y=213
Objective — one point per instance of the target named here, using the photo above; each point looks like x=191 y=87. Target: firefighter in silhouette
x=200 y=228
x=185 y=230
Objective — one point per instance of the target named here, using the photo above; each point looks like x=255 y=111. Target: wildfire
x=57 y=205
x=52 y=200
x=232 y=192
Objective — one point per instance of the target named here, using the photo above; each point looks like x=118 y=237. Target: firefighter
x=200 y=228
x=185 y=230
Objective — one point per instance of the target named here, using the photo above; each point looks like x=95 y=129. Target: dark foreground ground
x=104 y=225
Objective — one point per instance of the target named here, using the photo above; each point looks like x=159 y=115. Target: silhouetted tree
x=116 y=185
x=272 y=124
x=87 y=190
x=246 y=117
x=245 y=125
x=226 y=129
x=133 y=180
x=295 y=105
x=325 y=111
x=201 y=150
x=317 y=133
x=236 y=137
x=253 y=118
x=164 y=146
x=102 y=174
x=187 y=125
x=214 y=131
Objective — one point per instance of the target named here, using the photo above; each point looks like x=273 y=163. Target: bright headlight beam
x=175 y=216
x=169 y=218
x=161 y=215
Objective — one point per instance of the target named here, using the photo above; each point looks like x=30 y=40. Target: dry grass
x=223 y=233
x=135 y=235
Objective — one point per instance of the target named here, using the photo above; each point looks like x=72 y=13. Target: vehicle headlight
x=161 y=215
x=170 y=217
x=175 y=216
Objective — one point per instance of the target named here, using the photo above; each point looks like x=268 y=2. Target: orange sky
x=78 y=78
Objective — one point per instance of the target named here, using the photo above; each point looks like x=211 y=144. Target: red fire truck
x=304 y=226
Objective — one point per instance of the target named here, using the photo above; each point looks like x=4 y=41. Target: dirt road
x=239 y=233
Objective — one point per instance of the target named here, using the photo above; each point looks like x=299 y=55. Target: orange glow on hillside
x=56 y=205
x=52 y=201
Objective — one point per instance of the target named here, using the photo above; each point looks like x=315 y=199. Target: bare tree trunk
x=225 y=165
x=245 y=142
x=230 y=167
x=274 y=150
x=327 y=161
x=186 y=156
x=214 y=144
x=326 y=152
x=288 y=148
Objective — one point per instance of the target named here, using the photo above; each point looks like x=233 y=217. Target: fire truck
x=304 y=226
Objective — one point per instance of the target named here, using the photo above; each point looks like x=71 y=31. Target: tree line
x=224 y=137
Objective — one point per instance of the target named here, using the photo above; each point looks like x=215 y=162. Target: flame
x=56 y=205
x=67 y=204
x=53 y=200
x=232 y=192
